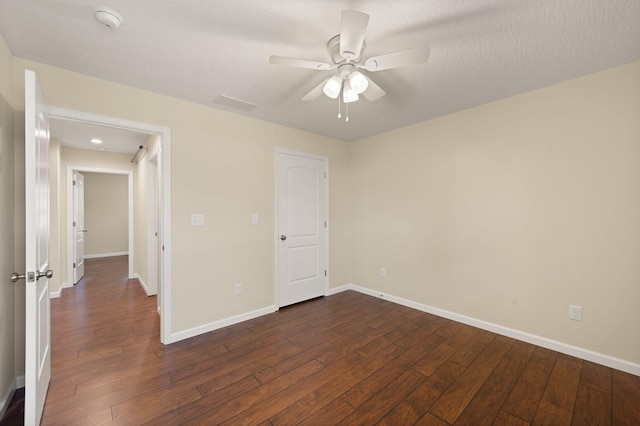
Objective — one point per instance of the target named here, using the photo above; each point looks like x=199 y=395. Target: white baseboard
x=144 y=286
x=598 y=358
x=336 y=290
x=142 y=283
x=56 y=294
x=17 y=383
x=6 y=398
x=96 y=256
x=192 y=332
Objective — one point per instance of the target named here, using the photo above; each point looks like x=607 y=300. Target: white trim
x=100 y=255
x=16 y=383
x=276 y=238
x=6 y=397
x=336 y=290
x=142 y=283
x=165 y=194
x=55 y=294
x=196 y=331
x=70 y=234
x=585 y=354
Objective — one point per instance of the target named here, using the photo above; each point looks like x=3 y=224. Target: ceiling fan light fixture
x=348 y=94
x=332 y=87
x=358 y=82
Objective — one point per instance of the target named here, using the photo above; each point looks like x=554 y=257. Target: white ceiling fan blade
x=401 y=58
x=298 y=63
x=352 y=30
x=373 y=92
x=316 y=92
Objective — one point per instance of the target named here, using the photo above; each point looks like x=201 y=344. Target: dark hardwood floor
x=345 y=359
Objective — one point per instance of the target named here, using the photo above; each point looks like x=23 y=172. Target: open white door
x=37 y=328
x=78 y=226
x=153 y=248
x=301 y=224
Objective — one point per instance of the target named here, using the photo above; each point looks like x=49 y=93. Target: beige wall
x=222 y=165
x=106 y=213
x=511 y=211
x=7 y=248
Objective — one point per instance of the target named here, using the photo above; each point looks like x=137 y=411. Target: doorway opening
x=74 y=212
x=160 y=261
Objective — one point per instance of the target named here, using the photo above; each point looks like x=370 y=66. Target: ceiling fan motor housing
x=333 y=48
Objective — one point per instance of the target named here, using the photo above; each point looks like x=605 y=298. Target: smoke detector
x=108 y=17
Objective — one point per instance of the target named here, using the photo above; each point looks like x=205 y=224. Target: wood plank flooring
x=346 y=359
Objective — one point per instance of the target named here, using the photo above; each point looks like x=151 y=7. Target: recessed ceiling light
x=96 y=141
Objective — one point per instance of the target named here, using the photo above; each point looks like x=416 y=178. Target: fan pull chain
x=347 y=108
x=339 y=114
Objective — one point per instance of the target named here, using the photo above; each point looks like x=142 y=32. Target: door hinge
x=325 y=175
x=325 y=272
x=325 y=223
x=74 y=223
x=74 y=264
x=74 y=183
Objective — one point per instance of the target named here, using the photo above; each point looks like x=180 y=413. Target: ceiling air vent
x=234 y=103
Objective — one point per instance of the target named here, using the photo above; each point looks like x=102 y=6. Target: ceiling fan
x=346 y=54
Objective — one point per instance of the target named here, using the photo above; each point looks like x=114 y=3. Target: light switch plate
x=197 y=220
x=255 y=218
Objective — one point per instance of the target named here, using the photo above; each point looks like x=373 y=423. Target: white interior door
x=37 y=327
x=302 y=232
x=152 y=226
x=78 y=226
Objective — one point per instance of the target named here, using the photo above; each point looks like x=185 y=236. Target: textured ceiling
x=481 y=50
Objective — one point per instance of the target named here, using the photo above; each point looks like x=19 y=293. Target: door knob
x=47 y=274
x=16 y=276
x=283 y=237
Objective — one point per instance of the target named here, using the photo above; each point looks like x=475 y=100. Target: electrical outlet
x=383 y=272
x=575 y=312
x=238 y=288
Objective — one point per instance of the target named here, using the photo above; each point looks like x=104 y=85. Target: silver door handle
x=16 y=276
x=47 y=274
x=283 y=237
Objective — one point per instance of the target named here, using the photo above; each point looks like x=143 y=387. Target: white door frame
x=164 y=133
x=70 y=228
x=276 y=237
